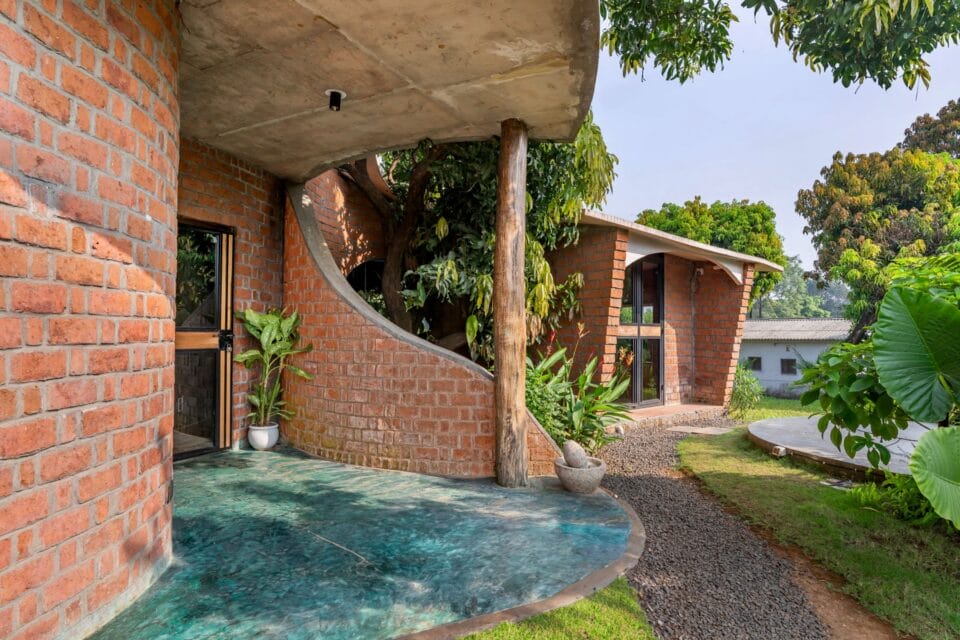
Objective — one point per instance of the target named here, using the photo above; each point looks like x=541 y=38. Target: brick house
x=676 y=306
x=164 y=164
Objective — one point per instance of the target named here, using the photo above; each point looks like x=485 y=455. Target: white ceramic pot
x=263 y=438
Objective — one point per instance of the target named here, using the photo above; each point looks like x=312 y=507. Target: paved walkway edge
x=832 y=466
x=577 y=591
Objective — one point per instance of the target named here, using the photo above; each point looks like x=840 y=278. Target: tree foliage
x=791 y=297
x=440 y=232
x=940 y=134
x=741 y=225
x=868 y=210
x=856 y=40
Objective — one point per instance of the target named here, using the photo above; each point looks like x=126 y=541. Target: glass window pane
x=626 y=354
x=195 y=414
x=650 y=370
x=650 y=291
x=626 y=300
x=198 y=305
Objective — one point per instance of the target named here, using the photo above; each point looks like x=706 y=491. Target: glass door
x=642 y=307
x=204 y=340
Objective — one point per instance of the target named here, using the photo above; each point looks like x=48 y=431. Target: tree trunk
x=509 y=330
x=393 y=270
x=397 y=235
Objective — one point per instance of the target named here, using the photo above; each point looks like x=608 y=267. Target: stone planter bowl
x=585 y=480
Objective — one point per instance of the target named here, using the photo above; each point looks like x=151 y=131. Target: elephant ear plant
x=278 y=336
x=909 y=369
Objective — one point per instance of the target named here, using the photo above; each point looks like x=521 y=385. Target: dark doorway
x=204 y=340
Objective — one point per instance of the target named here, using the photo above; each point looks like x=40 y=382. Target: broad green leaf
x=836 y=437
x=917 y=352
x=249 y=356
x=299 y=372
x=935 y=465
x=809 y=397
x=471 y=329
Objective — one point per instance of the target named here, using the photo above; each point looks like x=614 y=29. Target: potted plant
x=278 y=337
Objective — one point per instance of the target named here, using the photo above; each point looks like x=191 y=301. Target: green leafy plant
x=935 y=465
x=593 y=406
x=278 y=336
x=548 y=390
x=578 y=409
x=747 y=392
x=900 y=496
x=844 y=389
x=906 y=370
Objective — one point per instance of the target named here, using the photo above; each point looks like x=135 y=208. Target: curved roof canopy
x=253 y=74
x=646 y=240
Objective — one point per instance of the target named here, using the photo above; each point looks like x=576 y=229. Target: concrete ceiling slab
x=254 y=74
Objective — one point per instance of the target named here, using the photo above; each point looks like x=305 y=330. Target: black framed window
x=788 y=366
x=642 y=298
x=755 y=363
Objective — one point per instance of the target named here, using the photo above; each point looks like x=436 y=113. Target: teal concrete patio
x=281 y=545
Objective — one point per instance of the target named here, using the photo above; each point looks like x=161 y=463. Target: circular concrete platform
x=800 y=437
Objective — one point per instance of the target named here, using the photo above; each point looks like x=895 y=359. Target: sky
x=760 y=129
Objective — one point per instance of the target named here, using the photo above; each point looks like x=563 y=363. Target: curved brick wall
x=88 y=179
x=348 y=221
x=380 y=397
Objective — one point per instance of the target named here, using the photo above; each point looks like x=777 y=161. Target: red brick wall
x=88 y=164
x=349 y=223
x=599 y=256
x=679 y=315
x=703 y=316
x=217 y=188
x=381 y=398
x=721 y=308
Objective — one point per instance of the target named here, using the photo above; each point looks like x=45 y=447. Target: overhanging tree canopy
x=856 y=40
x=439 y=227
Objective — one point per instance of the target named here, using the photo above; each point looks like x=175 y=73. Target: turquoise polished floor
x=280 y=545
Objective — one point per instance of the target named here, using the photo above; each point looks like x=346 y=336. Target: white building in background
x=776 y=349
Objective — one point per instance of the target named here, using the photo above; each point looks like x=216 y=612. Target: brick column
x=600 y=256
x=89 y=126
x=721 y=309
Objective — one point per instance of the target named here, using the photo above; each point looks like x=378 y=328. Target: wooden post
x=509 y=304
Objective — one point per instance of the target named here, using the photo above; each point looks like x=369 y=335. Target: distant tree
x=741 y=225
x=936 y=135
x=856 y=40
x=868 y=210
x=833 y=295
x=439 y=227
x=791 y=297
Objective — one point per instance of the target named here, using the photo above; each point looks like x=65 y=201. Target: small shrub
x=547 y=392
x=899 y=496
x=747 y=392
x=574 y=409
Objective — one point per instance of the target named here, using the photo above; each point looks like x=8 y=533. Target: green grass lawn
x=611 y=613
x=904 y=574
x=771 y=407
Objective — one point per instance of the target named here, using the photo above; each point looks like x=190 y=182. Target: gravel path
x=703 y=574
